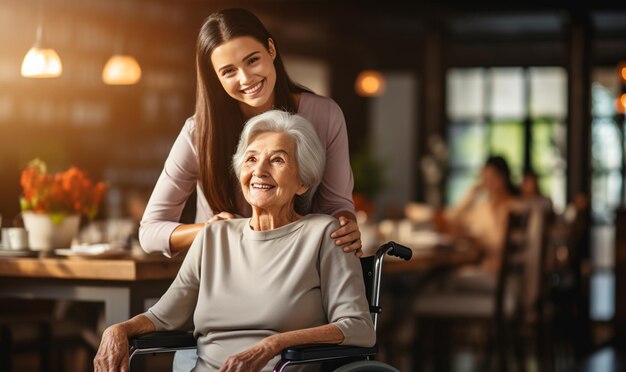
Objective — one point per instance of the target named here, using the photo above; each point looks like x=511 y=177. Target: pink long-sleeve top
x=180 y=176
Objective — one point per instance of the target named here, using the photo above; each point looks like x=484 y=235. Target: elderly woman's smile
x=269 y=175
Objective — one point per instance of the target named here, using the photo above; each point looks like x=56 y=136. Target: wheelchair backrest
x=367 y=266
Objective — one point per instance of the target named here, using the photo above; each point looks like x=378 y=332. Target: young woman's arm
x=334 y=195
x=183 y=235
x=174 y=186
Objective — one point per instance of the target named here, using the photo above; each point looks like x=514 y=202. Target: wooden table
x=122 y=284
x=435 y=258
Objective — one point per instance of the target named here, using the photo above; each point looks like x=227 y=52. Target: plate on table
x=92 y=251
x=429 y=240
x=18 y=253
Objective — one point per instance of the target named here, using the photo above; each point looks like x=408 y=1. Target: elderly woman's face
x=269 y=174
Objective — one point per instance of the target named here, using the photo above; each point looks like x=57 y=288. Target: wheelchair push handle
x=394 y=249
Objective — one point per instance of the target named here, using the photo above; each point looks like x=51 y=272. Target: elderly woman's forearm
x=112 y=353
x=137 y=325
x=326 y=334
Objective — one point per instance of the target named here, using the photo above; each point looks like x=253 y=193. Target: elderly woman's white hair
x=310 y=154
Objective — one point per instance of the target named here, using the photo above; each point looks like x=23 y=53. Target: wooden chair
x=564 y=338
x=502 y=308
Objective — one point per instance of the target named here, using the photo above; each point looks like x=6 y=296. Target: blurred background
x=537 y=82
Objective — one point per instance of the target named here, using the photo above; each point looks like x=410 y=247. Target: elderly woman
x=255 y=286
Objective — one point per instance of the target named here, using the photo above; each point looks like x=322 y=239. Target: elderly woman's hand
x=348 y=236
x=251 y=360
x=113 y=351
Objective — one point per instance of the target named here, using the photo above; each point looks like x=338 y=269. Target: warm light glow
x=622 y=71
x=121 y=70
x=370 y=83
x=621 y=103
x=41 y=63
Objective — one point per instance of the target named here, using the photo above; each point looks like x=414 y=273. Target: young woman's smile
x=256 y=88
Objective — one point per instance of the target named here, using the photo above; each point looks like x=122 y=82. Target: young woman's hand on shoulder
x=348 y=235
x=222 y=216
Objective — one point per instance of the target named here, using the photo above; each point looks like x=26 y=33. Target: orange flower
x=63 y=193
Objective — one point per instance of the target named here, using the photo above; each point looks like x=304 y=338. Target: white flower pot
x=45 y=235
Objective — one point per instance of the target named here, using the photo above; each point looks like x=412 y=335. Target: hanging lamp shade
x=121 y=70
x=41 y=63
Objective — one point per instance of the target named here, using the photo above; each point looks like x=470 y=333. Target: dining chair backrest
x=539 y=227
x=524 y=268
x=512 y=270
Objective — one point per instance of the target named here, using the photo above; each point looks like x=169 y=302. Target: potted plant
x=52 y=204
x=368 y=179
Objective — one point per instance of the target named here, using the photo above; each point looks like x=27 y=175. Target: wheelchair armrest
x=326 y=351
x=164 y=339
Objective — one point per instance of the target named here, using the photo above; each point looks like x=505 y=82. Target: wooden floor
x=606 y=359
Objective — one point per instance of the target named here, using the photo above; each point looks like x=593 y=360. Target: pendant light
x=121 y=69
x=41 y=62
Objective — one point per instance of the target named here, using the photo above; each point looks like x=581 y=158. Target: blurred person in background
x=531 y=194
x=482 y=214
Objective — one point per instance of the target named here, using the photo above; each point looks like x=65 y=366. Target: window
x=607 y=187
x=518 y=113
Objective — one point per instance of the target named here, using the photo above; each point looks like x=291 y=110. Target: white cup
x=15 y=238
x=4 y=239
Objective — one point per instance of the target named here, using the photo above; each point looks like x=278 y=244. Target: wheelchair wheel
x=366 y=366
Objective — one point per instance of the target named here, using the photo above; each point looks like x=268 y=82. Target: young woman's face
x=247 y=73
x=493 y=181
x=269 y=175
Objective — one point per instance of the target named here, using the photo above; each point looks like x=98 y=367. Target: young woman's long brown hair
x=218 y=118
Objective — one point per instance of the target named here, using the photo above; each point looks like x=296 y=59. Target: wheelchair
x=342 y=358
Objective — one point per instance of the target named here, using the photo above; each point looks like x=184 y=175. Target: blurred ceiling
x=394 y=30
x=459 y=17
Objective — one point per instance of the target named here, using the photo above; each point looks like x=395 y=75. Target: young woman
x=240 y=74
x=531 y=194
x=483 y=213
